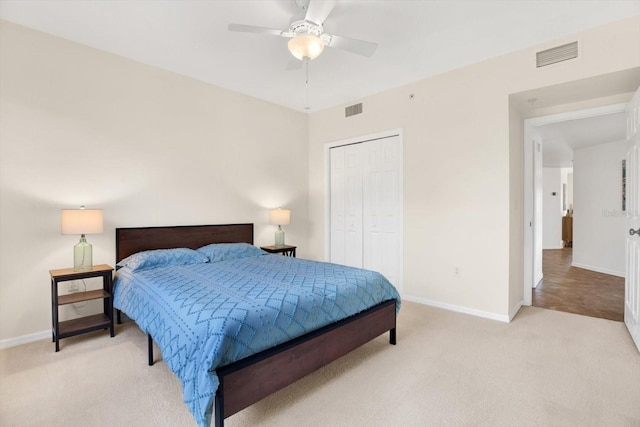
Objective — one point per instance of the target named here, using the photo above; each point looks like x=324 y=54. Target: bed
x=242 y=376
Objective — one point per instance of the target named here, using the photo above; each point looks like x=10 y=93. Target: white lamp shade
x=81 y=221
x=306 y=46
x=280 y=216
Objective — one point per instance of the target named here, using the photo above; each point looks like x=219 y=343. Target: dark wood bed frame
x=249 y=380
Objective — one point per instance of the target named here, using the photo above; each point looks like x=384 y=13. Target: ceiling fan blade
x=251 y=29
x=318 y=10
x=356 y=46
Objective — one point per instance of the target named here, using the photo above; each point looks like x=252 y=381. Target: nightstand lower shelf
x=95 y=322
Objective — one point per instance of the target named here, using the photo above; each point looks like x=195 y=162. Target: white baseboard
x=598 y=269
x=515 y=310
x=24 y=339
x=459 y=309
x=538 y=284
x=558 y=246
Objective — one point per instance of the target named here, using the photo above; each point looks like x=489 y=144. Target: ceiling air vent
x=557 y=54
x=352 y=110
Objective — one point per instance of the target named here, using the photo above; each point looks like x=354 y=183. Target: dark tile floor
x=576 y=290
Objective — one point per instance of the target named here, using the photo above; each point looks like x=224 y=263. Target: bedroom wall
x=599 y=224
x=463 y=172
x=516 y=211
x=81 y=126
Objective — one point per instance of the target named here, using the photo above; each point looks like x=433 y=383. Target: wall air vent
x=557 y=54
x=352 y=110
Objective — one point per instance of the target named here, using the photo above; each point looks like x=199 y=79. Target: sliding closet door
x=346 y=205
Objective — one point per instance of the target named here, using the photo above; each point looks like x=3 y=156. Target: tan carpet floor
x=546 y=368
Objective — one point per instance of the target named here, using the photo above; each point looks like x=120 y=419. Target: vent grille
x=557 y=54
x=352 y=110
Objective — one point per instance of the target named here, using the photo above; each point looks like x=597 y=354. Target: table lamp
x=81 y=221
x=279 y=217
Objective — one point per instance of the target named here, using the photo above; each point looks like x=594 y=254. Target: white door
x=632 y=281
x=337 y=216
x=372 y=205
x=346 y=205
x=365 y=211
x=382 y=200
x=353 y=206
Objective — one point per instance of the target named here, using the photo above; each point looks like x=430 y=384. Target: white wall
x=135 y=131
x=552 y=208
x=599 y=224
x=81 y=126
x=463 y=172
x=567 y=182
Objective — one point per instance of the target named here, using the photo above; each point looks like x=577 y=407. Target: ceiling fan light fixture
x=306 y=46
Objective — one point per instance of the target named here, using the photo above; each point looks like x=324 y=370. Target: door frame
x=532 y=221
x=327 y=189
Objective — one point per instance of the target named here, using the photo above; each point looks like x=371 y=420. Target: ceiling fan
x=307 y=36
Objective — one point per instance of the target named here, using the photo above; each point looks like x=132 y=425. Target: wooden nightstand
x=84 y=324
x=284 y=250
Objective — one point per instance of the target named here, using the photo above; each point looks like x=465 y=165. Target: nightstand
x=284 y=250
x=84 y=324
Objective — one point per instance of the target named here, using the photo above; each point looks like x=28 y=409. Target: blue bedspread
x=204 y=316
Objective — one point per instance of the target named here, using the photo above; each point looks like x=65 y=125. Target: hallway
x=576 y=290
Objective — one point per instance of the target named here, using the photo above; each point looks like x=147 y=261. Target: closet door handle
x=632 y=231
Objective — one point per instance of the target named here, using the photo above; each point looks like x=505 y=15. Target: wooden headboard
x=136 y=239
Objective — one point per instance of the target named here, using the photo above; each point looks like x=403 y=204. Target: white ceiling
x=416 y=39
x=561 y=138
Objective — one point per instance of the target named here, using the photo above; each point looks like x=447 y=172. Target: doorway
x=578 y=290
x=591 y=283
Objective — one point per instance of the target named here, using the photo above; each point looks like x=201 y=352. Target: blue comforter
x=208 y=315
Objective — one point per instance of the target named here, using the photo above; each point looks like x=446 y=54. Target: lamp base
x=82 y=255
x=279 y=237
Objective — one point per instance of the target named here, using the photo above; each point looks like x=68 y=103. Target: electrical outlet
x=456 y=271
x=72 y=287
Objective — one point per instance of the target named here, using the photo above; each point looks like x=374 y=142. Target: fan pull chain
x=306 y=85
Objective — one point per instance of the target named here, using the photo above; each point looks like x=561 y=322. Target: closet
x=366 y=206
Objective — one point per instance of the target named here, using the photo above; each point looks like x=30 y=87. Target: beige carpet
x=546 y=368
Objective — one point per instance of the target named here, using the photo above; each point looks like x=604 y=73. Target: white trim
x=578 y=114
x=515 y=311
x=461 y=309
x=558 y=246
x=529 y=184
x=528 y=213
x=598 y=269
x=24 y=339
